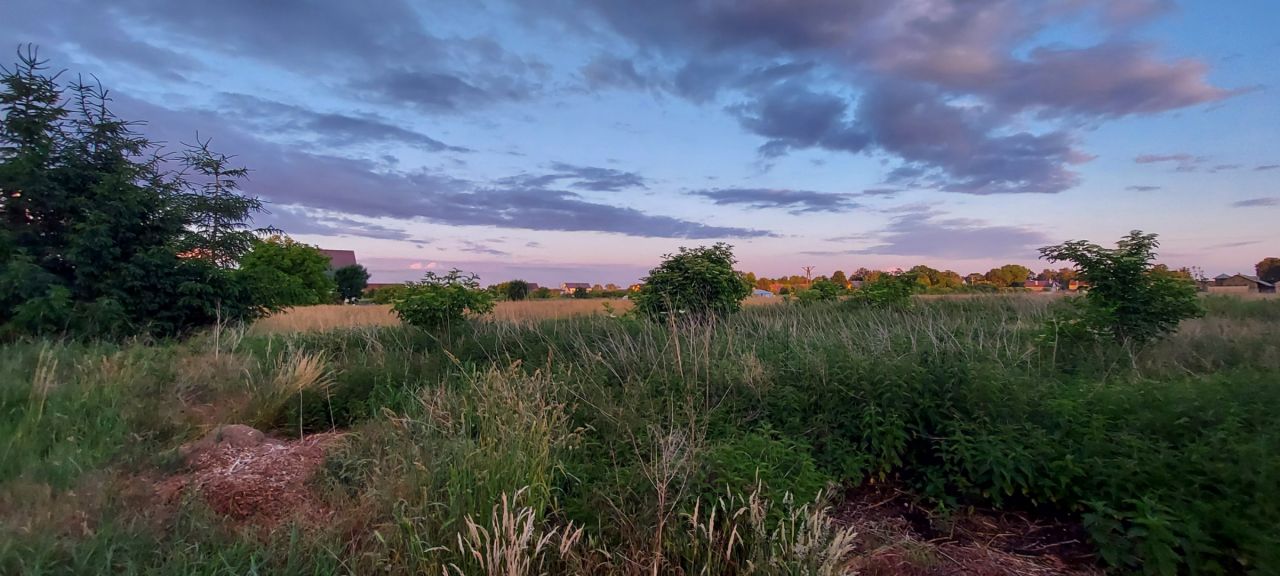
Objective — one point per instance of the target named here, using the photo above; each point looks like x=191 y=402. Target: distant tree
x=1268 y=270
x=1009 y=275
x=580 y=292
x=839 y=278
x=612 y=287
x=1130 y=299
x=516 y=290
x=351 y=281
x=282 y=273
x=694 y=282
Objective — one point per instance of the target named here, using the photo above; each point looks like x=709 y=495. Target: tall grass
x=593 y=444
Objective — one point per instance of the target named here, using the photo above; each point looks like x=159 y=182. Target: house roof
x=577 y=285
x=340 y=258
x=1255 y=280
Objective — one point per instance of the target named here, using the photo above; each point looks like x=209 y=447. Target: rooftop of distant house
x=340 y=258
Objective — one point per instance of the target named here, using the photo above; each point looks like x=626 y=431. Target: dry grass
x=333 y=316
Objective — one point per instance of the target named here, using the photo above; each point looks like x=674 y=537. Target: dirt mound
x=251 y=478
x=898 y=537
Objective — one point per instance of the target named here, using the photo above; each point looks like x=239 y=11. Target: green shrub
x=440 y=302
x=820 y=291
x=892 y=290
x=1130 y=299
x=694 y=283
x=772 y=464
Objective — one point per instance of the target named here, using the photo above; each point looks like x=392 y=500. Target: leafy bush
x=772 y=464
x=388 y=294
x=892 y=290
x=283 y=273
x=820 y=291
x=440 y=302
x=693 y=283
x=1130 y=299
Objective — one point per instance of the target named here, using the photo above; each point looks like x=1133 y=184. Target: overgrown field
x=606 y=445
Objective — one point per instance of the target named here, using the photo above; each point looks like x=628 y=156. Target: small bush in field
x=888 y=291
x=695 y=283
x=820 y=291
x=1130 y=300
x=439 y=302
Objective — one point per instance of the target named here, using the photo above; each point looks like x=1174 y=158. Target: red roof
x=340 y=258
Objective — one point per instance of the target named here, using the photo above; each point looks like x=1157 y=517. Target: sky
x=580 y=140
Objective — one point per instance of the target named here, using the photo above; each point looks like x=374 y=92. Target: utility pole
x=808 y=273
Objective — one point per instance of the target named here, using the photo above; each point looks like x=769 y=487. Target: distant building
x=340 y=258
x=570 y=287
x=1241 y=283
x=1042 y=285
x=762 y=293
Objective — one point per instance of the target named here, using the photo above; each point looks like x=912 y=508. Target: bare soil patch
x=253 y=479
x=899 y=537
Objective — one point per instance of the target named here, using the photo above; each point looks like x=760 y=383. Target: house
x=762 y=293
x=1241 y=283
x=340 y=258
x=1041 y=285
x=571 y=287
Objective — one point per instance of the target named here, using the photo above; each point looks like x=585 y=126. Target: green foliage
x=1130 y=299
x=351 y=281
x=441 y=302
x=99 y=240
x=693 y=283
x=1170 y=467
x=283 y=273
x=775 y=465
x=820 y=291
x=1009 y=275
x=388 y=294
x=889 y=290
x=1268 y=270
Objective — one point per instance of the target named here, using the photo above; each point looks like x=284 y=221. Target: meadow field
x=957 y=436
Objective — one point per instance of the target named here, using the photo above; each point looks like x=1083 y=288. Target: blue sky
x=579 y=140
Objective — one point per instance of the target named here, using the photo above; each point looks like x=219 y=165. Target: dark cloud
x=1225 y=167
x=331 y=129
x=962 y=149
x=298 y=220
x=471 y=247
x=1257 y=203
x=1130 y=12
x=1267 y=167
x=1108 y=80
x=974 y=65
x=792 y=116
x=1234 y=244
x=591 y=178
x=794 y=201
x=1141 y=188
x=1182 y=161
x=383 y=52
x=605 y=72
x=287 y=175
x=923 y=232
